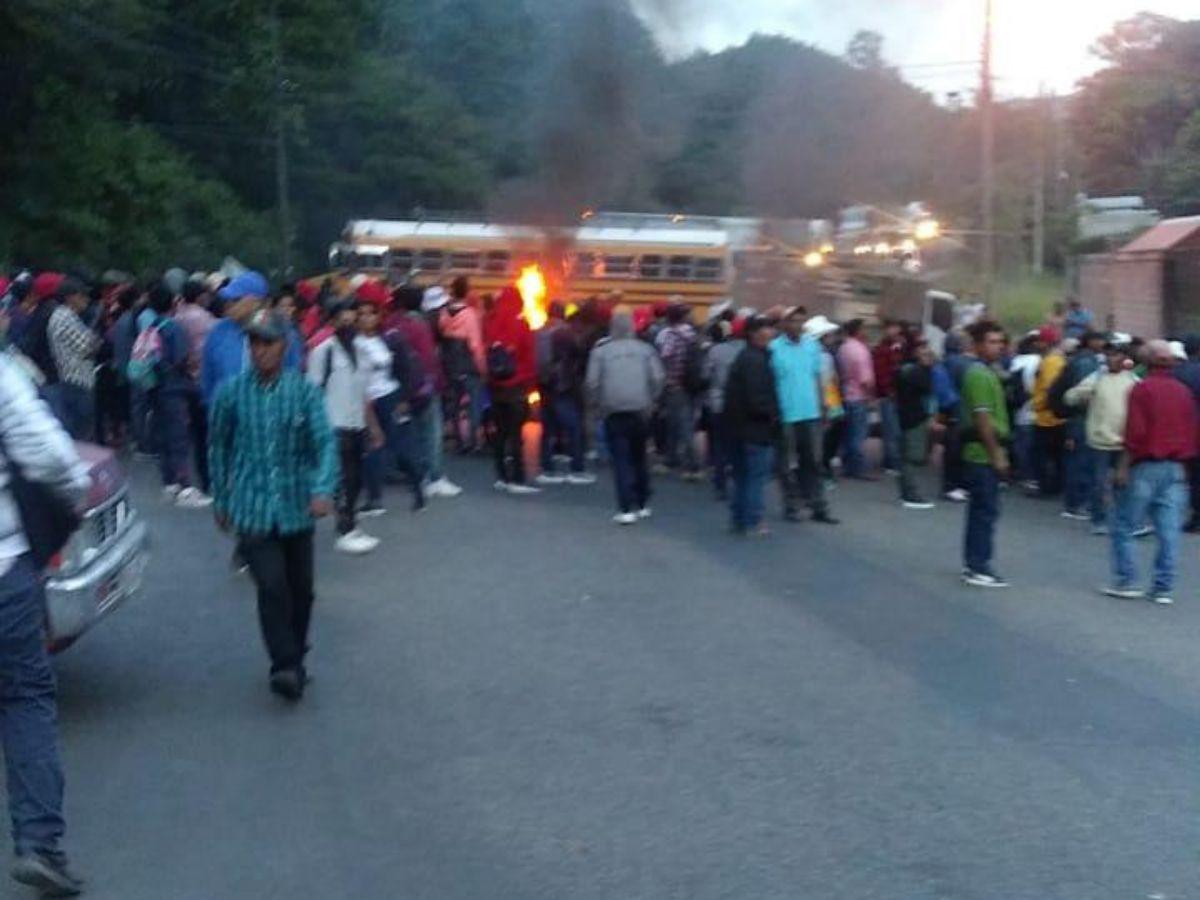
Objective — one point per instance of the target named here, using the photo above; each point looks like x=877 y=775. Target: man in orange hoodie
x=512 y=374
x=464 y=360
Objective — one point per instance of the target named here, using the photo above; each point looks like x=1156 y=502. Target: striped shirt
x=74 y=347
x=270 y=452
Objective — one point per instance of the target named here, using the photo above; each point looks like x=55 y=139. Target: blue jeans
x=399 y=449
x=1022 y=453
x=562 y=421
x=1104 y=463
x=752 y=468
x=627 y=436
x=28 y=714
x=719 y=450
x=889 y=420
x=173 y=435
x=983 y=511
x=1079 y=466
x=857 y=424
x=429 y=426
x=75 y=408
x=680 y=413
x=1160 y=490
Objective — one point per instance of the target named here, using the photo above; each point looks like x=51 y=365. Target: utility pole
x=1039 y=190
x=988 y=158
x=283 y=201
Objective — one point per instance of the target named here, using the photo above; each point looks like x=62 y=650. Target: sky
x=936 y=43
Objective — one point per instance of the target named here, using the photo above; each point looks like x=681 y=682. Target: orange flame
x=532 y=286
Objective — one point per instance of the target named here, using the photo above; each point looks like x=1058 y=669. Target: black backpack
x=457 y=359
x=1015 y=393
x=1056 y=396
x=35 y=342
x=694 y=381
x=501 y=362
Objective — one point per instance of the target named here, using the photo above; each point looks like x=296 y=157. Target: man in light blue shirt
x=796 y=363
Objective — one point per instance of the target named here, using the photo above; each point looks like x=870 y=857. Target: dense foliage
x=144 y=132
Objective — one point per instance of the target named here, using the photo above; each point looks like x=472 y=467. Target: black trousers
x=627 y=433
x=352 y=447
x=282 y=568
x=954 y=476
x=508 y=417
x=1049 y=448
x=198 y=425
x=797 y=468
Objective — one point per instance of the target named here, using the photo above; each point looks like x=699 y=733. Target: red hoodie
x=504 y=325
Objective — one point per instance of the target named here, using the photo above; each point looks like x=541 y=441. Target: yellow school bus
x=643 y=258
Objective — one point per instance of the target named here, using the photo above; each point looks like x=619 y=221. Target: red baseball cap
x=47 y=284
x=373 y=292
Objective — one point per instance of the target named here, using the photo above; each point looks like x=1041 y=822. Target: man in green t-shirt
x=985 y=424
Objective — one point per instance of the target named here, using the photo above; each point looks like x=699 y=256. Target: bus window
x=680 y=268
x=402 y=260
x=497 y=262
x=708 y=268
x=464 y=262
x=651 y=266
x=618 y=266
x=430 y=260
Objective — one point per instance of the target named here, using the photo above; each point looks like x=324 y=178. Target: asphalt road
x=516 y=699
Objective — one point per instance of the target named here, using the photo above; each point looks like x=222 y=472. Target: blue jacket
x=943 y=389
x=227 y=355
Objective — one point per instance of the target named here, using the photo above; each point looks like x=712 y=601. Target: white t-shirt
x=345 y=388
x=375 y=359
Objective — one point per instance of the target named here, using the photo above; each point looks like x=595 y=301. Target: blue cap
x=248 y=284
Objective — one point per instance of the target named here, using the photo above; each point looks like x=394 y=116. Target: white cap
x=435 y=298
x=819 y=326
x=1178 y=351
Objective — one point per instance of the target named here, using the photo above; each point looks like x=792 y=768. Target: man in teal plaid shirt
x=273 y=464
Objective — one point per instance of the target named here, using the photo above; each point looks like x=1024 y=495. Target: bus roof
x=395 y=230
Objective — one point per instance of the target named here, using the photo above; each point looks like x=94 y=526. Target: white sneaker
x=192 y=498
x=1162 y=599
x=171 y=492
x=443 y=487
x=356 y=543
x=984 y=580
x=523 y=489
x=501 y=486
x=550 y=478
x=644 y=513
x=1075 y=515
x=916 y=504
x=626 y=518
x=1144 y=532
x=581 y=478
x=1123 y=593
x=958 y=495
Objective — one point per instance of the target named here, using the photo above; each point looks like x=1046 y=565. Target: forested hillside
x=144 y=132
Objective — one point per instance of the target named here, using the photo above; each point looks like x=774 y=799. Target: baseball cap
x=248 y=284
x=435 y=298
x=47 y=284
x=267 y=325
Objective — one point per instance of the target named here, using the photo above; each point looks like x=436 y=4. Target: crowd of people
x=278 y=408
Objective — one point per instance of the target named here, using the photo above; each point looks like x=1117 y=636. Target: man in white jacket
x=34 y=443
x=1105 y=393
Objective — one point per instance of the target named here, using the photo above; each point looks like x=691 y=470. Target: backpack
x=416 y=385
x=145 y=358
x=1056 y=396
x=1015 y=393
x=501 y=362
x=694 y=381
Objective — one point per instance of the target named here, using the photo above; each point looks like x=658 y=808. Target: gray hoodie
x=623 y=373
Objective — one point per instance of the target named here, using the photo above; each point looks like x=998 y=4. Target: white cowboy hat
x=819 y=326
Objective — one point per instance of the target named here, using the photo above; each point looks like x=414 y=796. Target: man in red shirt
x=1160 y=438
x=887 y=358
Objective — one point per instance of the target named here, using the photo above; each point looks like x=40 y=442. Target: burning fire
x=532 y=286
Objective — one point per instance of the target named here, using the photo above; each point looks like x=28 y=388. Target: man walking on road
x=1160 y=439
x=34 y=441
x=752 y=415
x=273 y=464
x=624 y=380
x=796 y=364
x=986 y=432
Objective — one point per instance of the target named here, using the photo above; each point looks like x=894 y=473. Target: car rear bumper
x=75 y=602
